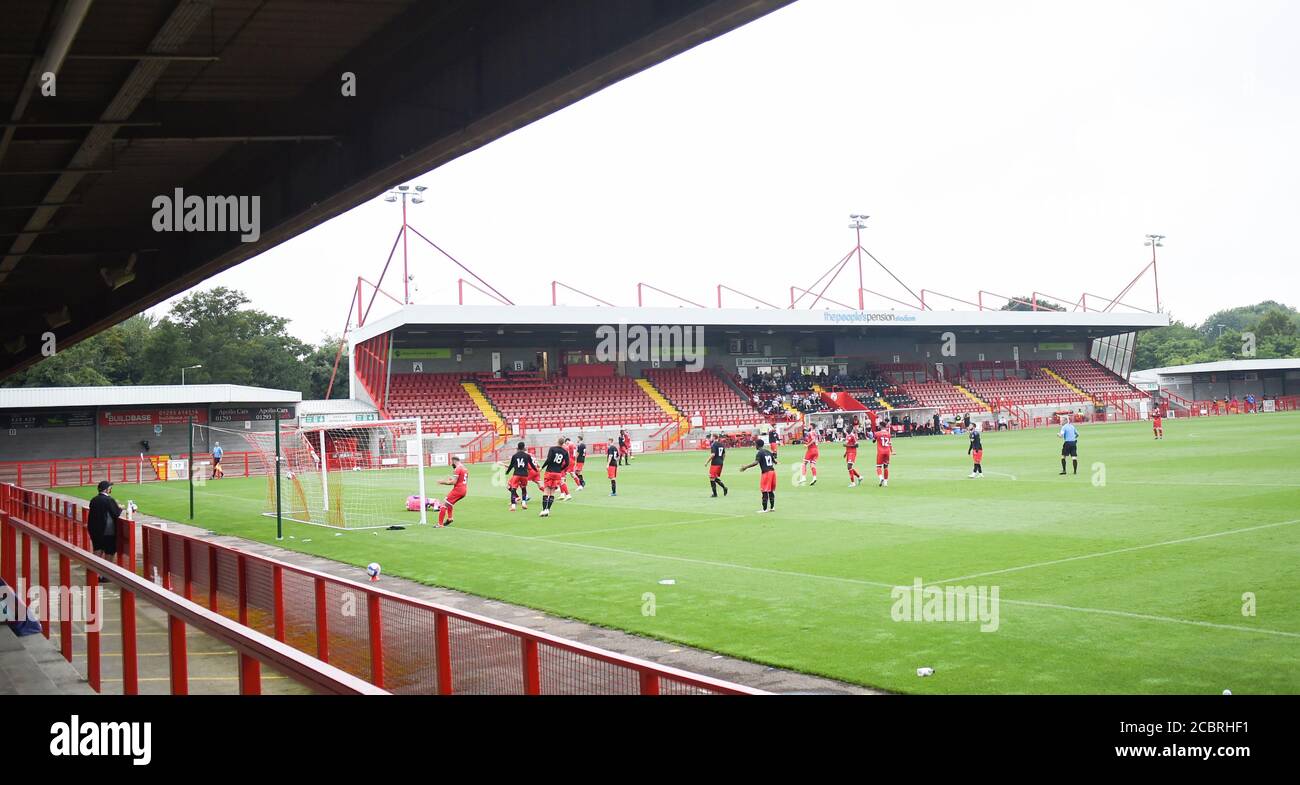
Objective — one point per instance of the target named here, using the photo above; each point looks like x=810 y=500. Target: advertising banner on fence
x=117 y=418
x=258 y=414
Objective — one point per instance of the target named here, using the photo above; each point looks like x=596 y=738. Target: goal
x=346 y=476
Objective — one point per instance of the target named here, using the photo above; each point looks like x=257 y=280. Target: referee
x=1070 y=447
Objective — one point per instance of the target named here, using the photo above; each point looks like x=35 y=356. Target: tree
x=1021 y=304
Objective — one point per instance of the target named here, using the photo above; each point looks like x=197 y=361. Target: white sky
x=1008 y=146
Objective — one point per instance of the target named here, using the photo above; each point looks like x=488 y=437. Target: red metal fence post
x=532 y=669
x=65 y=612
x=322 y=622
x=130 y=665
x=43 y=571
x=180 y=675
x=376 y=640
x=442 y=652
x=92 y=621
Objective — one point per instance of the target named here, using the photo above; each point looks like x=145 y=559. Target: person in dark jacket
x=102 y=522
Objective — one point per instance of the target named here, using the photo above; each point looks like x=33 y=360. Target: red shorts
x=1157 y=423
x=767 y=481
x=978 y=455
x=810 y=455
x=882 y=457
x=456 y=495
x=577 y=467
x=533 y=476
x=714 y=472
x=851 y=456
x=611 y=472
x=622 y=451
x=552 y=480
x=517 y=482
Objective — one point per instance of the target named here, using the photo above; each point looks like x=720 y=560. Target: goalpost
x=345 y=475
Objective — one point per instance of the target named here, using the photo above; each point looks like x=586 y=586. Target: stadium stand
x=939 y=395
x=1094 y=379
x=560 y=402
x=704 y=393
x=1035 y=389
x=438 y=399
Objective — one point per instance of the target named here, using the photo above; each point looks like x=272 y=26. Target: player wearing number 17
x=717 y=454
x=459 y=480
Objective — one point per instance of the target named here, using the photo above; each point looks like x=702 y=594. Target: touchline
x=100 y=739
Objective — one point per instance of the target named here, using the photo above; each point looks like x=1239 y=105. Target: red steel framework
x=353 y=630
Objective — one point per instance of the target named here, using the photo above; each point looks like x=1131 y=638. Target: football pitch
x=1162 y=567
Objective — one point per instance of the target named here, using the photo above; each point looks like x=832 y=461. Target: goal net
x=347 y=476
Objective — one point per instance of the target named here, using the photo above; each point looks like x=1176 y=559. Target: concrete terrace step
x=30 y=665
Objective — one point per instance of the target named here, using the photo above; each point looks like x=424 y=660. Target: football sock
x=713 y=486
x=1062 y=466
x=721 y=485
x=771 y=500
x=613 y=486
x=564 y=488
x=764 y=500
x=1076 y=465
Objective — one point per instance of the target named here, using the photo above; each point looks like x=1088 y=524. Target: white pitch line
x=877 y=584
x=1117 y=551
x=642 y=526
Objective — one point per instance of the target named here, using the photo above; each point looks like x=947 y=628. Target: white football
x=372 y=569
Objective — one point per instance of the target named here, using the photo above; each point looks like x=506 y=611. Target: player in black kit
x=717 y=454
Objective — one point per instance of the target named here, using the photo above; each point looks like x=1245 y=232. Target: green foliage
x=1276 y=328
x=1018 y=304
x=235 y=344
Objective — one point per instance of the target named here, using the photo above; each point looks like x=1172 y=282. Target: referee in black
x=102 y=523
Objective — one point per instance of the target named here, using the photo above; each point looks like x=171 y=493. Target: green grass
x=808 y=587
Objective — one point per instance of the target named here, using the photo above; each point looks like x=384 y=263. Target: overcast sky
x=1008 y=146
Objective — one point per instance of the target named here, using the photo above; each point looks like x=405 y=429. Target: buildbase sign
x=117 y=418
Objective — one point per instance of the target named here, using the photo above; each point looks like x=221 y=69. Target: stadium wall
x=111 y=440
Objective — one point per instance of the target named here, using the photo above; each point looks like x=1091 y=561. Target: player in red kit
x=1158 y=424
x=884 y=449
x=459 y=482
x=851 y=457
x=570 y=448
x=809 y=458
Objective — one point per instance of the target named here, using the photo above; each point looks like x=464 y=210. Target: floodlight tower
x=1155 y=241
x=416 y=195
x=857 y=223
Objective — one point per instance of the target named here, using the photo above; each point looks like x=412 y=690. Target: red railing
x=57 y=472
x=51 y=526
x=401 y=644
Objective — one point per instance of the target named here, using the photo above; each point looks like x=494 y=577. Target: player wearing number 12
x=884 y=449
x=766 y=463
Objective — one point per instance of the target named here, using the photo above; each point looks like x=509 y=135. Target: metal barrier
x=253 y=649
x=397 y=643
